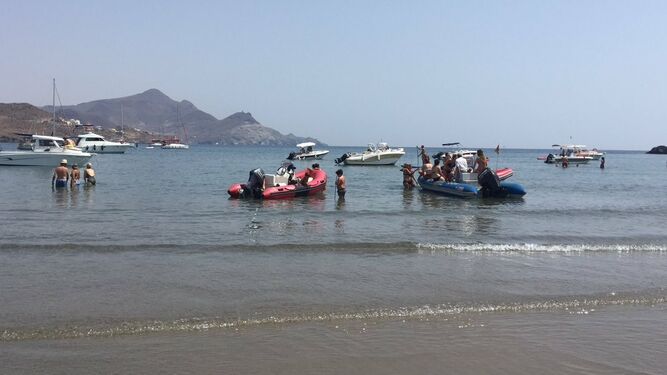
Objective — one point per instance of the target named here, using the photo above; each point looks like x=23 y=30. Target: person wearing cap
x=75 y=176
x=60 y=175
x=89 y=175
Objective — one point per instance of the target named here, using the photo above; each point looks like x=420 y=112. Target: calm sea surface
x=155 y=268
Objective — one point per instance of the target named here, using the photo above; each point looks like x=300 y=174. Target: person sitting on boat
x=436 y=172
x=426 y=170
x=408 y=175
x=448 y=166
x=461 y=167
x=480 y=162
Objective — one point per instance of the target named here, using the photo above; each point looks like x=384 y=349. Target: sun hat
x=64 y=161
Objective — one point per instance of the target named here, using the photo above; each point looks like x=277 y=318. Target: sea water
x=156 y=269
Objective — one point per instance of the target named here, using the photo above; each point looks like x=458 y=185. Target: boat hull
x=175 y=146
x=472 y=190
x=317 y=183
x=309 y=155
x=42 y=159
x=103 y=148
x=373 y=158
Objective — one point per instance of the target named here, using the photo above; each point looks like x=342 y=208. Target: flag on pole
x=497 y=150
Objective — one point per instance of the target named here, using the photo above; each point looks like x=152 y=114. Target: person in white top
x=461 y=167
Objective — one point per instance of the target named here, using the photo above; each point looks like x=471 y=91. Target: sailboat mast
x=122 y=125
x=53 y=126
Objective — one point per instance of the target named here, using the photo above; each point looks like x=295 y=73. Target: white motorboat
x=583 y=151
x=571 y=153
x=46 y=151
x=306 y=152
x=175 y=146
x=97 y=144
x=380 y=154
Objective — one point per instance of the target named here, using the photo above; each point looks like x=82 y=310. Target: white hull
x=91 y=142
x=44 y=159
x=175 y=146
x=311 y=155
x=375 y=158
x=109 y=148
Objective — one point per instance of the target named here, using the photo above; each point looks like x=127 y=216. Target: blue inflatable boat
x=489 y=186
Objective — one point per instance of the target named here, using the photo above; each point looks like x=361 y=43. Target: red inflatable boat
x=279 y=186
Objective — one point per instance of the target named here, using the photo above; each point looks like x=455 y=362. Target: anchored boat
x=306 y=152
x=380 y=154
x=284 y=184
x=488 y=184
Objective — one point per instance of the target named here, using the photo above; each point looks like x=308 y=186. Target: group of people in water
x=452 y=168
x=62 y=176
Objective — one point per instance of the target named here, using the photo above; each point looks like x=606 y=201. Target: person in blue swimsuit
x=60 y=175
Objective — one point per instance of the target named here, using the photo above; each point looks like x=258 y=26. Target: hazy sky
x=518 y=73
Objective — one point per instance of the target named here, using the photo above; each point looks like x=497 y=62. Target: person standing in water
x=340 y=184
x=75 y=176
x=602 y=162
x=60 y=175
x=89 y=175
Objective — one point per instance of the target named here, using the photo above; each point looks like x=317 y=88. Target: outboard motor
x=437 y=156
x=549 y=159
x=342 y=158
x=490 y=184
x=254 y=184
x=291 y=155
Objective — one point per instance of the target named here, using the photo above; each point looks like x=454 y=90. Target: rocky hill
x=155 y=112
x=658 y=150
x=24 y=118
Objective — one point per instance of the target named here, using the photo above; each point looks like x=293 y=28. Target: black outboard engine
x=490 y=184
x=342 y=158
x=255 y=183
x=550 y=159
x=437 y=156
x=291 y=155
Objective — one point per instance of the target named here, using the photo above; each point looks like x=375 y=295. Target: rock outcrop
x=662 y=150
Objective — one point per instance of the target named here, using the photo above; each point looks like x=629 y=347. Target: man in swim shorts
x=60 y=175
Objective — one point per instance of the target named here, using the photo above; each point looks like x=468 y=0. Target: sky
x=522 y=74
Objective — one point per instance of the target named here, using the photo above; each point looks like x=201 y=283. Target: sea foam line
x=541 y=248
x=415 y=312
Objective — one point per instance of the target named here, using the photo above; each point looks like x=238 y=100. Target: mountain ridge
x=155 y=112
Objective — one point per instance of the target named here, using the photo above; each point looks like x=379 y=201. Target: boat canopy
x=451 y=144
x=90 y=135
x=47 y=138
x=569 y=146
x=305 y=144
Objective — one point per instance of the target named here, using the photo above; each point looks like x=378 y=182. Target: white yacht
x=46 y=151
x=572 y=153
x=97 y=143
x=380 y=154
x=306 y=152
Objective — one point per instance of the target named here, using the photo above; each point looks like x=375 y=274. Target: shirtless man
x=340 y=184
x=60 y=175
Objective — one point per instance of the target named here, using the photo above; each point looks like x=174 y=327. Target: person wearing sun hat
x=60 y=175
x=89 y=174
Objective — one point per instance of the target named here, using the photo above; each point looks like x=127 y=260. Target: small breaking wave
x=540 y=248
x=578 y=305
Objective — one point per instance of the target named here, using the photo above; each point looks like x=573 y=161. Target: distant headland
x=145 y=116
x=658 y=150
